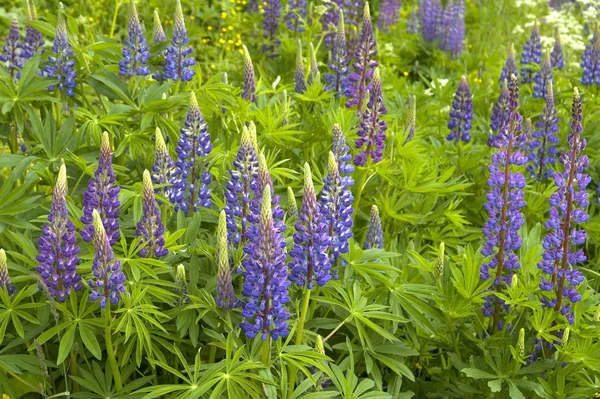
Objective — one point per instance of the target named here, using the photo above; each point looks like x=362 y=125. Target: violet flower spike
x=430 y=12
x=299 y=77
x=226 y=297
x=542 y=149
x=14 y=51
x=102 y=195
x=249 y=91
x=556 y=57
x=510 y=66
x=150 y=227
x=532 y=54
x=372 y=127
x=272 y=13
x=163 y=167
x=57 y=246
x=33 y=38
x=135 y=52
x=389 y=13
x=591 y=61
x=330 y=20
x=295 y=18
x=457 y=32
x=178 y=60
x=374 y=237
x=61 y=65
x=500 y=113
x=412 y=24
x=543 y=78
x=461 y=113
x=337 y=78
x=341 y=151
x=4 y=277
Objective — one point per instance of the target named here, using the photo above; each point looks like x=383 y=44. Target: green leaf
x=66 y=344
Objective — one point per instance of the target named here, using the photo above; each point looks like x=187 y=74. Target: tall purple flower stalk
x=412 y=24
x=4 y=277
x=178 y=60
x=300 y=74
x=591 y=60
x=33 y=37
x=341 y=151
x=330 y=20
x=461 y=113
x=429 y=15
x=532 y=54
x=569 y=204
x=14 y=51
x=135 y=52
x=446 y=27
x=265 y=279
x=389 y=13
x=295 y=18
x=57 y=246
x=272 y=14
x=372 y=127
x=542 y=150
x=61 y=65
x=150 y=227
x=557 y=58
x=374 y=237
x=102 y=195
x=364 y=66
x=504 y=202
x=249 y=91
x=192 y=176
x=337 y=78
x=500 y=113
x=543 y=78
x=163 y=167
x=262 y=182
x=510 y=66
x=107 y=284
x=454 y=44
x=226 y=297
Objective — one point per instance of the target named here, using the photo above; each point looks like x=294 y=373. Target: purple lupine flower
x=265 y=279
x=272 y=12
x=57 y=246
x=569 y=204
x=14 y=51
x=446 y=27
x=33 y=37
x=295 y=18
x=150 y=227
x=311 y=240
x=364 y=67
x=543 y=78
x=159 y=35
x=336 y=207
x=409 y=129
x=61 y=65
x=500 y=113
x=226 y=298
x=389 y=13
x=109 y=279
x=241 y=189
x=374 y=237
x=313 y=71
x=135 y=52
x=591 y=61
x=337 y=79
x=556 y=57
x=249 y=92
x=454 y=43
x=102 y=195
x=178 y=60
x=299 y=77
x=542 y=150
x=461 y=113
x=341 y=151
x=191 y=177
x=330 y=20
x=4 y=277
x=162 y=169
x=504 y=202
x=532 y=54
x=429 y=15
x=372 y=127
x=510 y=66
x=412 y=24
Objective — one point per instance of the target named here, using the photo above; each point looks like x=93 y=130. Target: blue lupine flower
x=337 y=79
x=108 y=282
x=295 y=18
x=178 y=60
x=461 y=113
x=33 y=37
x=557 y=58
x=389 y=13
x=456 y=37
x=299 y=76
x=150 y=227
x=532 y=54
x=372 y=127
x=4 y=277
x=163 y=167
x=364 y=67
x=429 y=15
x=510 y=66
x=447 y=25
x=57 y=246
x=226 y=298
x=262 y=182
x=500 y=113
x=192 y=176
x=14 y=51
x=330 y=20
x=543 y=78
x=61 y=65
x=412 y=24
x=135 y=52
x=341 y=151
x=272 y=12
x=504 y=203
x=591 y=60
x=374 y=237
x=569 y=204
x=542 y=150
x=102 y=195
x=249 y=92
x=265 y=279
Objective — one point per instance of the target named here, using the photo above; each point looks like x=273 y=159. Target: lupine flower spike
x=162 y=169
x=542 y=150
x=457 y=31
x=341 y=151
x=284 y=108
x=532 y=54
x=108 y=282
x=313 y=72
x=461 y=113
x=262 y=182
x=310 y=262
x=292 y=210
x=504 y=204
x=372 y=127
x=374 y=237
x=135 y=52
x=181 y=280
x=150 y=228
x=430 y=12
x=409 y=129
x=337 y=78
x=272 y=12
x=330 y=20
x=557 y=58
x=364 y=66
x=389 y=12
x=33 y=37
x=4 y=277
x=412 y=24
x=158 y=31
x=499 y=113
x=543 y=78
x=300 y=76
x=57 y=246
x=61 y=65
x=102 y=195
x=510 y=67
x=192 y=176
x=296 y=15
x=249 y=92
x=265 y=279
x=178 y=60
x=226 y=298
x=591 y=60
x=14 y=51
x=569 y=204
x=336 y=206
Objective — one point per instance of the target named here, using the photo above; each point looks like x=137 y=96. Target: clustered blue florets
x=461 y=113
x=135 y=52
x=61 y=65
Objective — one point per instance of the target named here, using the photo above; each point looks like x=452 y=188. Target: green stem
x=303 y=315
x=114 y=20
x=212 y=354
x=266 y=350
x=359 y=189
x=110 y=351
